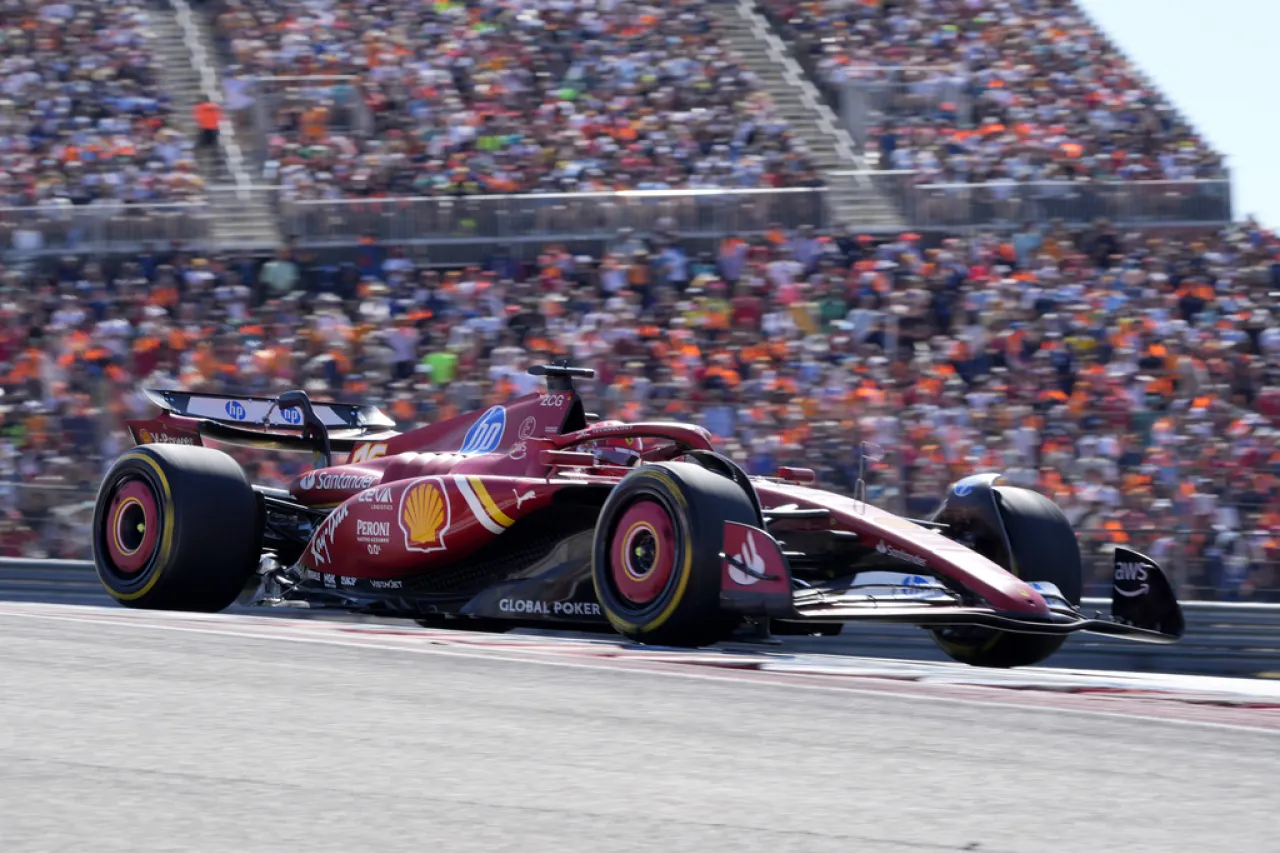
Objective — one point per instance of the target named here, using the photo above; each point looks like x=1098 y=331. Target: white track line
x=151 y=624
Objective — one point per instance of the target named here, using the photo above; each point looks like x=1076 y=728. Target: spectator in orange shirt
x=208 y=116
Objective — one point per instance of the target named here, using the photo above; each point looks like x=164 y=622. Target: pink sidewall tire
x=176 y=528
x=656 y=555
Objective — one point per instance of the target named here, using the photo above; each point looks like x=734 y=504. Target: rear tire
x=176 y=528
x=656 y=554
x=1044 y=549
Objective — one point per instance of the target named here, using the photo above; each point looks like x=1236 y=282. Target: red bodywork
x=406 y=504
x=918 y=548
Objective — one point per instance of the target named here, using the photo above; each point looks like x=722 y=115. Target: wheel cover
x=642 y=555
x=131 y=527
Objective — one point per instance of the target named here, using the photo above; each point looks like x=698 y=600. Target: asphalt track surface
x=131 y=732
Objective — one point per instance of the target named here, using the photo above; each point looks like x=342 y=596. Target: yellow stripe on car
x=488 y=503
x=482 y=506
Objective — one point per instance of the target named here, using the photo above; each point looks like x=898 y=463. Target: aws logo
x=1129 y=574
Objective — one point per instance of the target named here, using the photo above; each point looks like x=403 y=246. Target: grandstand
x=487 y=120
x=799 y=223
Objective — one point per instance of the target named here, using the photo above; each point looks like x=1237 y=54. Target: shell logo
x=425 y=516
x=145 y=436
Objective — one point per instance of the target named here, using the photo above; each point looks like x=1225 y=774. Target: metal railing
x=466 y=222
x=1221 y=639
x=543 y=217
x=51 y=519
x=1132 y=203
x=538 y=217
x=92 y=229
x=926 y=205
x=470 y=223
x=46 y=519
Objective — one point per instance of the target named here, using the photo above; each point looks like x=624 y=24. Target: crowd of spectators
x=82 y=117
x=495 y=96
x=1133 y=378
x=501 y=96
x=995 y=90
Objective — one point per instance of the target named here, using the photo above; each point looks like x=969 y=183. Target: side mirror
x=797 y=475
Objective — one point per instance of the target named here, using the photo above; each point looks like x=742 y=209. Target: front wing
x=756 y=580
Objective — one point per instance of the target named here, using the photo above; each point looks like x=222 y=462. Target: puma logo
x=522 y=498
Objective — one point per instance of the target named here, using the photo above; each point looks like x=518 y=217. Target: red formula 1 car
x=537 y=513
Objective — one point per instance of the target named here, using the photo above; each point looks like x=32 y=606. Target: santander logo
x=898 y=554
x=750 y=557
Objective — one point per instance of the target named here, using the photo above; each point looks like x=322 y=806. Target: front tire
x=1043 y=548
x=656 y=561
x=176 y=528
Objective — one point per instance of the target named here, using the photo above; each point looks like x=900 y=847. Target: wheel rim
x=643 y=554
x=131 y=528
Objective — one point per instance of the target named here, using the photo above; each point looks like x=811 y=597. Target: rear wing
x=258 y=422
x=265 y=411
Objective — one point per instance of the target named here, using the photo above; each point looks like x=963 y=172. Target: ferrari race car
x=536 y=513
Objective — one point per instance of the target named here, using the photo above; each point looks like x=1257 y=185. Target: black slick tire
x=176 y=528
x=669 y=519
x=1044 y=548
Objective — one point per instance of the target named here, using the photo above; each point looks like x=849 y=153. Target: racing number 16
x=368 y=452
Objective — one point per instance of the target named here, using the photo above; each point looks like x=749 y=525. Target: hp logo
x=486 y=433
x=236 y=410
x=291 y=416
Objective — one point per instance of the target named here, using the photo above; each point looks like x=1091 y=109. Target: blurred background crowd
x=1132 y=373
x=495 y=96
x=1135 y=378
x=997 y=90
x=83 y=119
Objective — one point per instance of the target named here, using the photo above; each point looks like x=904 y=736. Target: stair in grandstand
x=237 y=220
x=852 y=201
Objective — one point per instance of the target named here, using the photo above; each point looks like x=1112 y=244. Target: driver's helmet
x=615 y=450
